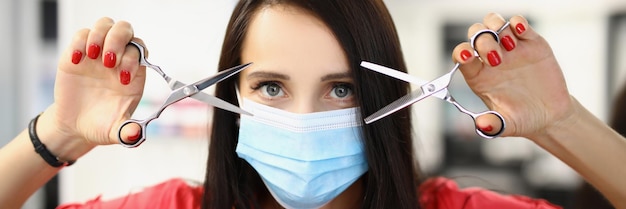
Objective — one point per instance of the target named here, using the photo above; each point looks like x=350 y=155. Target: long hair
x=365 y=31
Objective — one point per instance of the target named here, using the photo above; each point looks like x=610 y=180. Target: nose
x=306 y=105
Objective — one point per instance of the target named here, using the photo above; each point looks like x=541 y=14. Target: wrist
x=563 y=124
x=60 y=143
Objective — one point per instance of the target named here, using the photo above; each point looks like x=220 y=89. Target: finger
x=489 y=124
x=494 y=22
x=96 y=37
x=115 y=43
x=130 y=133
x=523 y=30
x=487 y=47
x=76 y=51
x=470 y=65
x=129 y=67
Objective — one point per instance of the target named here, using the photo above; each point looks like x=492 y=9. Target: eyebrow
x=335 y=76
x=267 y=75
x=273 y=75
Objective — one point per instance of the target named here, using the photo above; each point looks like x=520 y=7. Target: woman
x=306 y=56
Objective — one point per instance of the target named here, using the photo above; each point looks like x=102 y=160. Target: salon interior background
x=184 y=38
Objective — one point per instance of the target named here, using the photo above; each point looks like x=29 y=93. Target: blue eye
x=271 y=89
x=341 y=91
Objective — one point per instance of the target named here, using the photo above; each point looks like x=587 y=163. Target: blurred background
x=184 y=37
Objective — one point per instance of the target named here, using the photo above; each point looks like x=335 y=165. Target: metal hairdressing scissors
x=437 y=88
x=179 y=92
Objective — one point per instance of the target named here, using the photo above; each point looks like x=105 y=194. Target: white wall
x=7 y=72
x=184 y=38
x=23 y=58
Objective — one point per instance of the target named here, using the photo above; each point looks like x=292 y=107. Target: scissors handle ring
x=481 y=32
x=495 y=34
x=448 y=98
x=142 y=137
x=487 y=135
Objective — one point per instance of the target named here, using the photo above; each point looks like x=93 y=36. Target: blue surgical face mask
x=305 y=160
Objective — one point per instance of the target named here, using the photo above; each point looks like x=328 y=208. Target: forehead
x=283 y=37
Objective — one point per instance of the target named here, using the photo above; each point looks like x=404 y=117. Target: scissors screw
x=430 y=88
x=189 y=90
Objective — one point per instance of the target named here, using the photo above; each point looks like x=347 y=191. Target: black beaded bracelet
x=41 y=148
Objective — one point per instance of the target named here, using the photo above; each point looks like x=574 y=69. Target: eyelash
x=348 y=86
x=257 y=86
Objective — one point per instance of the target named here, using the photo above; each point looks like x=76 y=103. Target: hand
x=98 y=84
x=519 y=78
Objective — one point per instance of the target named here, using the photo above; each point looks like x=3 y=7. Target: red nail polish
x=494 y=58
x=465 y=55
x=124 y=77
x=93 y=51
x=520 y=28
x=76 y=56
x=488 y=128
x=109 y=59
x=134 y=137
x=508 y=43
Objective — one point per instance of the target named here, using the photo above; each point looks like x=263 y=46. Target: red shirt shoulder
x=171 y=194
x=443 y=193
x=435 y=193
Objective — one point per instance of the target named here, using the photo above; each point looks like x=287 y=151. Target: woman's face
x=298 y=64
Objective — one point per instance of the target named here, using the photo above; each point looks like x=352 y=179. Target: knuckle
x=81 y=34
x=105 y=20
x=473 y=28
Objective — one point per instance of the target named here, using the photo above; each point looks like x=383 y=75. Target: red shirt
x=436 y=193
x=442 y=193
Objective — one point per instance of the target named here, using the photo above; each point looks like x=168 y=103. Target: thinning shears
x=437 y=88
x=179 y=92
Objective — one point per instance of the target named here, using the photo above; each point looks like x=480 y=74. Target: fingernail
x=520 y=28
x=76 y=56
x=465 y=55
x=486 y=129
x=124 y=77
x=109 y=59
x=494 y=58
x=508 y=43
x=134 y=137
x=93 y=51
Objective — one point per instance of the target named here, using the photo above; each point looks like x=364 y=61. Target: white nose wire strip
x=295 y=122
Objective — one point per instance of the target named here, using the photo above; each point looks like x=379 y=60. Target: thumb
x=490 y=124
x=130 y=133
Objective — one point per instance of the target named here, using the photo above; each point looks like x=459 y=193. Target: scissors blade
x=436 y=88
x=401 y=76
x=203 y=84
x=393 y=73
x=183 y=91
x=413 y=97
x=216 y=102
x=210 y=99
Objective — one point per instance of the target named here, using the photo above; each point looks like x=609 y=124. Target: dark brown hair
x=365 y=30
